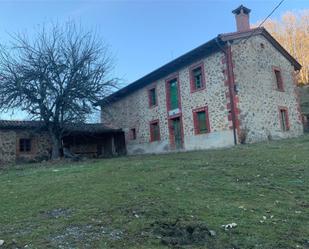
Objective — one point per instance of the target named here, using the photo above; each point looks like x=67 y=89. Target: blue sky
x=142 y=35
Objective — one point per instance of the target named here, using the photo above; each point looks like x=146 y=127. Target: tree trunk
x=56 y=146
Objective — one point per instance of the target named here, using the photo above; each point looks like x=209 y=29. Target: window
x=197 y=78
x=133 y=134
x=284 y=119
x=24 y=145
x=201 y=120
x=278 y=76
x=154 y=131
x=173 y=94
x=152 y=95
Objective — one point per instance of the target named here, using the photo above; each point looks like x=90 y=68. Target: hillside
x=176 y=200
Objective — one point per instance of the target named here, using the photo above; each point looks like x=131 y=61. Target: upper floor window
x=154 y=131
x=152 y=97
x=197 y=78
x=284 y=119
x=278 y=78
x=133 y=134
x=201 y=120
x=24 y=145
x=172 y=94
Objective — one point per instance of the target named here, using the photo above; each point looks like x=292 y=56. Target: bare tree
x=56 y=77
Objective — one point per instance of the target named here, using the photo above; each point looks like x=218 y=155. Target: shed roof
x=39 y=125
x=204 y=50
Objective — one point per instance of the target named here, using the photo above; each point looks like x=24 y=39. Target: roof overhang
x=72 y=128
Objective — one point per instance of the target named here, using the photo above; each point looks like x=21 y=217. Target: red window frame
x=192 y=83
x=151 y=123
x=195 y=119
x=167 y=89
x=279 y=82
x=287 y=120
x=150 y=104
x=132 y=134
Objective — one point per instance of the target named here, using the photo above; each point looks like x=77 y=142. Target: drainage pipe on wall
x=231 y=83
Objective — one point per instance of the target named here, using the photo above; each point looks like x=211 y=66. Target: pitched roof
x=205 y=49
x=39 y=125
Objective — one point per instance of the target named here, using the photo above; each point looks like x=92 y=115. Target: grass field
x=162 y=201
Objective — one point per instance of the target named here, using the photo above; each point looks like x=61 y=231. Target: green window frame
x=154 y=131
x=197 y=78
x=201 y=120
x=173 y=94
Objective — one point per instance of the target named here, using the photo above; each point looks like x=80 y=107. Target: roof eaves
x=39 y=126
x=196 y=54
x=163 y=71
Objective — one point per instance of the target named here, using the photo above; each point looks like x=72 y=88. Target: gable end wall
x=258 y=97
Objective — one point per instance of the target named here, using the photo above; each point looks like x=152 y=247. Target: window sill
x=280 y=90
x=153 y=106
x=152 y=141
x=198 y=90
x=205 y=133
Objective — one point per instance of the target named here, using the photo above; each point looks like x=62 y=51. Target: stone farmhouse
x=238 y=87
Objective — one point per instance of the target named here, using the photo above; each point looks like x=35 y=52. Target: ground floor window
x=201 y=120
x=24 y=145
x=154 y=131
x=133 y=134
x=284 y=119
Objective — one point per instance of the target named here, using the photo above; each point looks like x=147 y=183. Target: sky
x=142 y=35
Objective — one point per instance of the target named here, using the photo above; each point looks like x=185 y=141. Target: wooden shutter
x=201 y=119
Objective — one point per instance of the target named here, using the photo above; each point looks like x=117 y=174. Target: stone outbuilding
x=238 y=87
x=24 y=141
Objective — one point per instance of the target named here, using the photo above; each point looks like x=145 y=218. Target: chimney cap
x=243 y=8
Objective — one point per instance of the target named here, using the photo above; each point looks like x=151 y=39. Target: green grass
x=125 y=202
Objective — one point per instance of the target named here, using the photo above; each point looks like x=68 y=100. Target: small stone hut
x=24 y=141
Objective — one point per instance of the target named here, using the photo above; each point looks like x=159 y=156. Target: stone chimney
x=242 y=18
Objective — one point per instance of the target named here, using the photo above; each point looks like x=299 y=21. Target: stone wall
x=133 y=111
x=9 y=146
x=258 y=96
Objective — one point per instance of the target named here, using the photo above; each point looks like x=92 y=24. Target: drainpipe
x=231 y=83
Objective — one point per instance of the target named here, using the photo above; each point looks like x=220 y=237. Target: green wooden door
x=177 y=133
